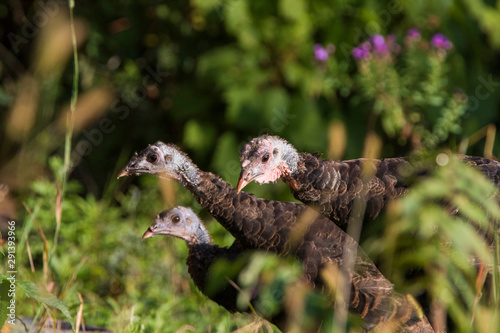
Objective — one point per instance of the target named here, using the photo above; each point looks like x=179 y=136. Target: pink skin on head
x=269 y=176
x=274 y=168
x=256 y=168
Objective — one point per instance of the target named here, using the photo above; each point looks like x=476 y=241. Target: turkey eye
x=176 y=219
x=152 y=158
x=265 y=158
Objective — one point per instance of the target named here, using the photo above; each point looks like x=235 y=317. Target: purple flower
x=363 y=51
x=379 y=45
x=413 y=33
x=320 y=53
x=440 y=41
x=360 y=53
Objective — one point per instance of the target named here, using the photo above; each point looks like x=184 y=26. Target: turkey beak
x=241 y=184
x=148 y=234
x=123 y=173
x=246 y=176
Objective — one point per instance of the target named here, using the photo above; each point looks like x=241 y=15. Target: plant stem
x=69 y=128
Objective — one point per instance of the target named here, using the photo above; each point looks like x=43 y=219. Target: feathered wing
x=277 y=226
x=332 y=187
x=489 y=168
x=371 y=295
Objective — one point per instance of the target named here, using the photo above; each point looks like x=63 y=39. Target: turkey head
x=266 y=159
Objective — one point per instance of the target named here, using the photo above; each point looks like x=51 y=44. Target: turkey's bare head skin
x=180 y=222
x=266 y=159
x=163 y=160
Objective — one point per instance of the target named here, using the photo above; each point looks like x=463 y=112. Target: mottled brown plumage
x=277 y=227
x=331 y=187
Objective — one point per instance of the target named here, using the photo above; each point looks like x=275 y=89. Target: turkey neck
x=199 y=261
x=201 y=255
x=291 y=159
x=200 y=258
x=188 y=173
x=201 y=237
x=223 y=201
x=297 y=177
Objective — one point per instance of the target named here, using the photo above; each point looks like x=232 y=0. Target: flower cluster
x=384 y=47
x=440 y=42
x=400 y=88
x=413 y=34
x=378 y=45
x=363 y=51
x=381 y=46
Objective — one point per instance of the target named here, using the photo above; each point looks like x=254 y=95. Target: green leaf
x=45 y=297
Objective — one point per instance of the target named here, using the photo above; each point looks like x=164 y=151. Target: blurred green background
x=209 y=76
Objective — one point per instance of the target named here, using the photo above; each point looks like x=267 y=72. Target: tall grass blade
x=69 y=127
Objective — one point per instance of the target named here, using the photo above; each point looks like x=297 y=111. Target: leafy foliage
x=209 y=76
x=411 y=95
x=453 y=252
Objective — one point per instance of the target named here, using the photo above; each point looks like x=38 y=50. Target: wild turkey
x=332 y=186
x=182 y=222
x=269 y=225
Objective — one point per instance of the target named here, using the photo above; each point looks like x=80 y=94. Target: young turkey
x=329 y=186
x=277 y=227
x=183 y=223
x=223 y=287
